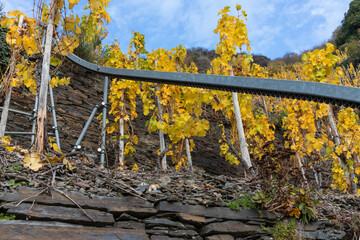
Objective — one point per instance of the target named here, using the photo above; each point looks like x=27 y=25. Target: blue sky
x=275 y=27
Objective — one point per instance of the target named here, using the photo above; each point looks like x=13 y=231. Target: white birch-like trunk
x=161 y=133
x=301 y=165
x=243 y=146
x=121 y=128
x=188 y=154
x=41 y=116
x=349 y=177
x=316 y=177
x=5 y=111
x=265 y=107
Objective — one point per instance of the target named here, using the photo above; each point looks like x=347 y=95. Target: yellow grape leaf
x=14 y=13
x=135 y=139
x=225 y=10
x=29 y=82
x=32 y=161
x=5 y=140
x=56 y=148
x=77 y=30
x=54 y=159
x=55 y=61
x=69 y=26
x=30 y=45
x=10 y=149
x=135 y=168
x=295 y=212
x=357 y=170
x=72 y=3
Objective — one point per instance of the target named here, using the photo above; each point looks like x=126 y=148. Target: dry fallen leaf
x=68 y=165
x=207 y=186
x=81 y=184
x=32 y=161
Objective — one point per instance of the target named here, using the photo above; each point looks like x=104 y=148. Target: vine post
x=41 y=116
x=243 y=146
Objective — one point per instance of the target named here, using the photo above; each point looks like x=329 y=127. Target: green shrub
x=245 y=201
x=7 y=217
x=285 y=231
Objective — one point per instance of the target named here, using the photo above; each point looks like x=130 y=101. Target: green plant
x=261 y=198
x=285 y=231
x=304 y=205
x=12 y=182
x=243 y=202
x=4 y=216
x=265 y=229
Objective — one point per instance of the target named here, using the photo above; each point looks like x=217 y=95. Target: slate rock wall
x=135 y=218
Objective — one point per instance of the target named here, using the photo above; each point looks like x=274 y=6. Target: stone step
x=218 y=212
x=133 y=205
x=33 y=230
x=61 y=214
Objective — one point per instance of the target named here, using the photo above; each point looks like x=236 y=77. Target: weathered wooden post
x=41 y=116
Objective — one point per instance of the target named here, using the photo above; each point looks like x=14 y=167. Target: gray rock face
x=138 y=219
x=15 y=229
x=234 y=228
x=322 y=231
x=61 y=214
x=163 y=222
x=220 y=237
x=218 y=212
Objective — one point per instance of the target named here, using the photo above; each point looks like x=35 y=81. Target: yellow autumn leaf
x=33 y=161
x=55 y=61
x=56 y=148
x=53 y=159
x=30 y=45
x=295 y=212
x=135 y=139
x=225 y=10
x=29 y=82
x=14 y=13
x=69 y=26
x=6 y=140
x=72 y=3
x=135 y=168
x=10 y=149
x=78 y=30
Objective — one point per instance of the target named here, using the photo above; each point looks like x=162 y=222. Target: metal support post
x=18 y=111
x=77 y=145
x=24 y=133
x=103 y=129
x=34 y=115
x=55 y=127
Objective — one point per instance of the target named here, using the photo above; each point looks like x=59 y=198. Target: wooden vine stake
x=188 y=154
x=161 y=133
x=243 y=146
x=121 y=126
x=5 y=111
x=41 y=114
